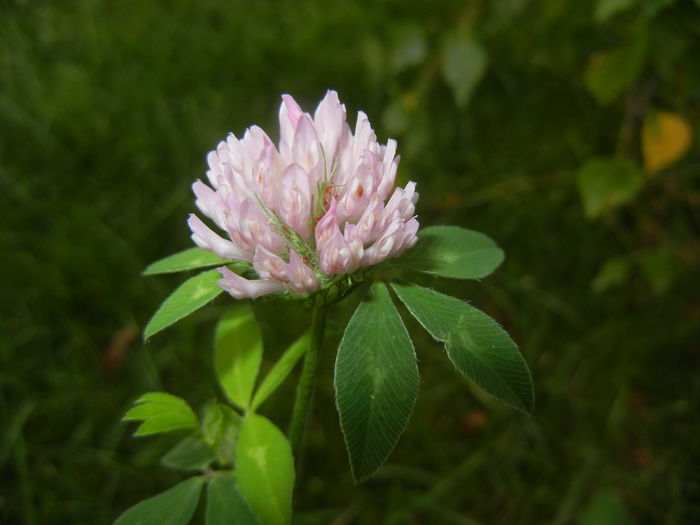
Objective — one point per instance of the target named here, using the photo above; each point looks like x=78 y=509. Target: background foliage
x=567 y=131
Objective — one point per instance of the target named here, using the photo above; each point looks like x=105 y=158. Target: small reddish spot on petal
x=360 y=190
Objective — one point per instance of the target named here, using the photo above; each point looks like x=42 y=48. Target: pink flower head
x=319 y=205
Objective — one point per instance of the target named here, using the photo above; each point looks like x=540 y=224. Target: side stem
x=307 y=379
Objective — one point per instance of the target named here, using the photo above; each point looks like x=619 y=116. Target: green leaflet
x=220 y=428
x=188 y=454
x=161 y=412
x=226 y=505
x=281 y=369
x=175 y=506
x=187 y=298
x=376 y=381
x=238 y=354
x=189 y=259
x=265 y=470
x=451 y=251
x=477 y=346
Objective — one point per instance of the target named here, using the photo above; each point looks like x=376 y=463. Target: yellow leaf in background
x=665 y=139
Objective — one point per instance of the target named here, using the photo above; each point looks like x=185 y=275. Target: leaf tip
x=361 y=477
x=148 y=332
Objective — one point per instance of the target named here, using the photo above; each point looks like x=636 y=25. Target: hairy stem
x=307 y=379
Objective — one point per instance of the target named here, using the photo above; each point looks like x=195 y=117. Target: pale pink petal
x=236 y=152
x=255 y=141
x=410 y=192
x=336 y=257
x=242 y=288
x=206 y=239
x=330 y=122
x=295 y=200
x=402 y=202
x=372 y=222
x=290 y=112
x=388 y=242
x=209 y=202
x=390 y=165
x=306 y=149
x=265 y=176
x=268 y=265
x=254 y=227
x=327 y=226
x=399 y=236
x=410 y=230
x=214 y=172
x=359 y=189
x=352 y=237
x=364 y=135
x=294 y=112
x=302 y=279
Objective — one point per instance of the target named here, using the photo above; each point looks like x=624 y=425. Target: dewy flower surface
x=319 y=205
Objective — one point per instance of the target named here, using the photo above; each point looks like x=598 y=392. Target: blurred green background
x=567 y=131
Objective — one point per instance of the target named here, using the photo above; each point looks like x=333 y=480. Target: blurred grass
x=106 y=112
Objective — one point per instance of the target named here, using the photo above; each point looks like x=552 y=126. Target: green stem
x=307 y=379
